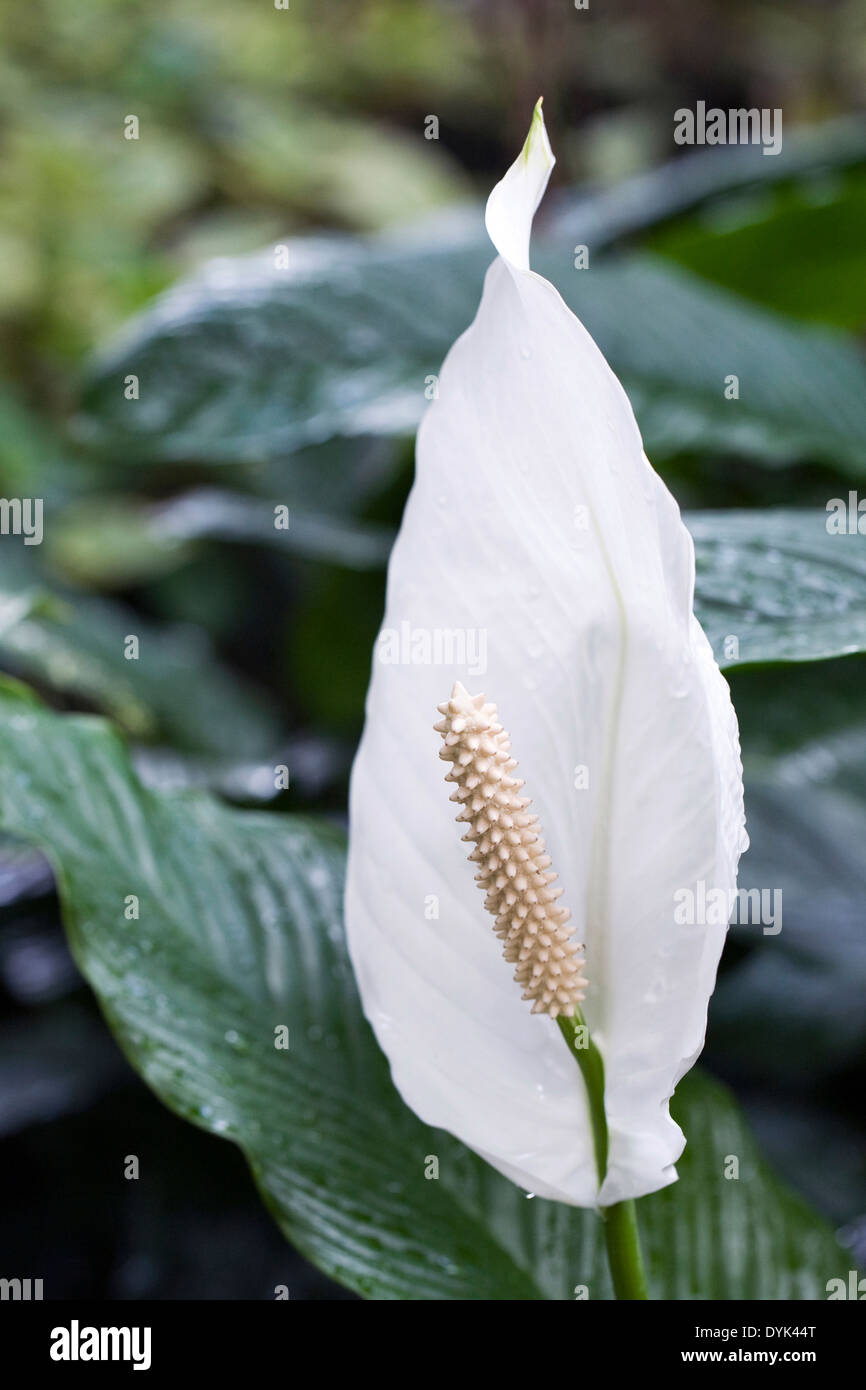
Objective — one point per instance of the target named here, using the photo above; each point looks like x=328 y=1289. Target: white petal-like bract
x=543 y=562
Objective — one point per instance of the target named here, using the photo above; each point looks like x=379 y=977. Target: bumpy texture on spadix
x=541 y=559
x=513 y=864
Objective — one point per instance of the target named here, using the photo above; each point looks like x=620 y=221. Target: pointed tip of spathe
x=536 y=148
x=512 y=204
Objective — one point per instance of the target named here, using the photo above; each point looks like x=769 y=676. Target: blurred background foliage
x=261 y=127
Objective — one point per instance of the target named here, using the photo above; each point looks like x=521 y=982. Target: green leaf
x=766 y=246
x=31 y=462
x=245 y=363
x=779 y=583
x=352 y=351
x=781 y=710
x=676 y=341
x=714 y=177
x=175 y=691
x=113 y=542
x=239 y=934
x=790 y=1003
x=792 y=1008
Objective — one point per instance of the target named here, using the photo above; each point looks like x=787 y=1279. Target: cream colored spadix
x=541 y=559
x=513 y=864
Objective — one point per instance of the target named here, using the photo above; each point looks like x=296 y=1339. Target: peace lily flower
x=543 y=564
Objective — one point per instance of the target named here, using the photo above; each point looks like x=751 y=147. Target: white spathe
x=537 y=525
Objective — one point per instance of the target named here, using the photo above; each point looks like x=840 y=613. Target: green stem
x=621 y=1234
x=622 y=1238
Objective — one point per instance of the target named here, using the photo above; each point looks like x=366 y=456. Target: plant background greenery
x=305 y=128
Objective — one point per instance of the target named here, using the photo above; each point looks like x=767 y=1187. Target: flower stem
x=621 y=1233
x=622 y=1238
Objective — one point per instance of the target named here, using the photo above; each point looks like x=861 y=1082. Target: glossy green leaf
x=790 y=1003
x=246 y=362
x=778 y=586
x=118 y=541
x=175 y=691
x=238 y=936
x=704 y=181
x=766 y=245
x=677 y=342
